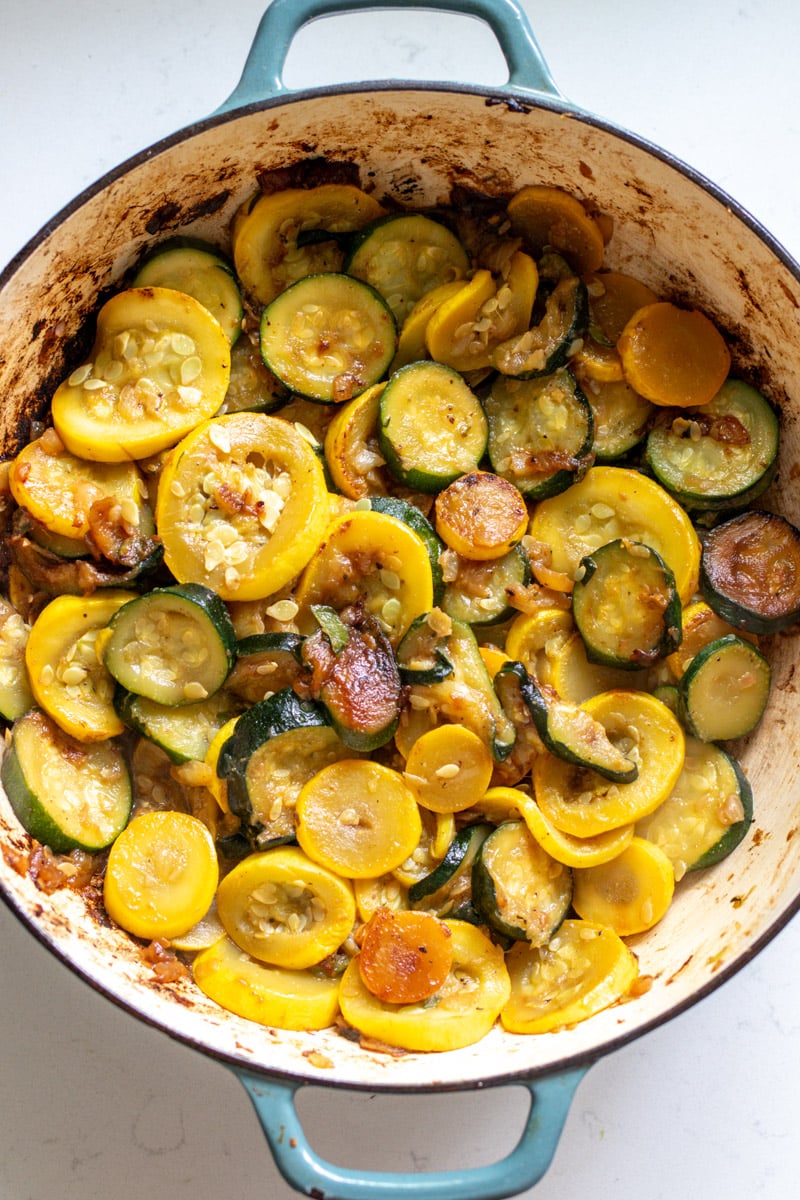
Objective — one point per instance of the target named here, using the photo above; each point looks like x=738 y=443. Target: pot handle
x=262 y=77
x=304 y=1170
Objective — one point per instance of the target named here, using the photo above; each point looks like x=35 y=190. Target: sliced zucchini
x=540 y=432
x=405 y=956
x=608 y=503
x=626 y=606
x=328 y=337
x=750 y=572
x=722 y=455
x=55 y=575
x=410 y=515
x=252 y=386
x=481 y=592
x=466 y=696
x=200 y=270
x=114 y=552
x=25 y=525
x=265 y=663
x=724 y=691
x=184 y=732
x=566 y=730
x=708 y=812
x=67 y=794
x=272 y=996
x=448 y=768
x=176 y=645
x=276 y=746
x=489 y=309
x=546 y=347
x=463 y=1012
x=405 y=255
x=481 y=516
x=519 y=890
x=432 y=427
x=621 y=417
x=447 y=890
x=421 y=657
x=354 y=674
x=613 y=299
x=581 y=802
x=59 y=490
x=352 y=456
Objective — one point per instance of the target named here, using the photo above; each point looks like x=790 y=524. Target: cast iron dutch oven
x=675 y=231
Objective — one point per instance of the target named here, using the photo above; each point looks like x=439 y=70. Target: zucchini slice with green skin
x=174 y=645
x=479 y=594
x=447 y=890
x=420 y=655
x=724 y=691
x=184 y=732
x=466 y=695
x=540 y=432
x=67 y=794
x=621 y=418
x=547 y=346
x=722 y=455
x=566 y=730
x=252 y=386
x=355 y=676
x=410 y=515
x=23 y=524
x=328 y=337
x=708 y=812
x=519 y=890
x=200 y=270
x=626 y=606
x=750 y=572
x=56 y=575
x=265 y=663
x=275 y=748
x=431 y=426
x=405 y=255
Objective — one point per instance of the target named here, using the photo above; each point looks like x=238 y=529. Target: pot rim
x=516 y=101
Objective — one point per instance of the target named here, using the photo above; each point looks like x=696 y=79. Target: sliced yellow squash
x=358 y=818
x=459 y=1014
x=582 y=970
x=630 y=893
x=579 y=801
x=266 y=994
x=242 y=505
x=161 y=875
x=284 y=909
x=160 y=365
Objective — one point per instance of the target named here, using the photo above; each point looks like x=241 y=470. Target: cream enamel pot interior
x=674 y=230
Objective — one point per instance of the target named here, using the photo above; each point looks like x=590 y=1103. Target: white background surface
x=93 y=1103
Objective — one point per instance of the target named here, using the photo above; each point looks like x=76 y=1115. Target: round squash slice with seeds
x=242 y=505
x=160 y=363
